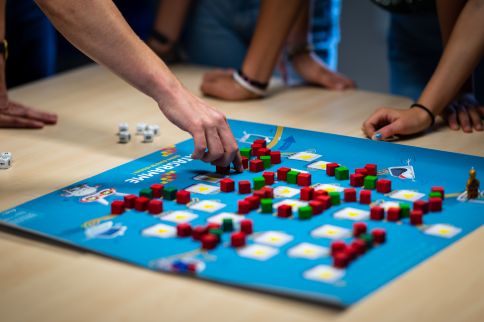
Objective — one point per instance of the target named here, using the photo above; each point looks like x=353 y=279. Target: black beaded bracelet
x=429 y=112
x=256 y=84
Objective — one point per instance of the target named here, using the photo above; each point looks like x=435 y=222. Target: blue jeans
x=32 y=43
x=218 y=32
x=414 y=51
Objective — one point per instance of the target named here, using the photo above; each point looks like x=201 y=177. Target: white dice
x=123 y=127
x=5 y=160
x=148 y=136
x=155 y=128
x=140 y=128
x=124 y=136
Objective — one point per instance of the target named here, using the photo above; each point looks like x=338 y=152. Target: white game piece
x=140 y=128
x=155 y=128
x=122 y=127
x=148 y=136
x=5 y=160
x=124 y=136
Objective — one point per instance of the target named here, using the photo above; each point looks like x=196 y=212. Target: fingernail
x=378 y=136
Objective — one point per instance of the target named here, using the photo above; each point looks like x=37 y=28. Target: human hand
x=466 y=113
x=219 y=83
x=214 y=141
x=313 y=70
x=16 y=115
x=387 y=122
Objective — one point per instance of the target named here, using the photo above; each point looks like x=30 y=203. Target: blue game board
x=286 y=256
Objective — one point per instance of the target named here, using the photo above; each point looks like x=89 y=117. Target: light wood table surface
x=43 y=281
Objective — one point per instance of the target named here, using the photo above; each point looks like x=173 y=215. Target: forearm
x=273 y=26
x=299 y=34
x=171 y=17
x=97 y=28
x=463 y=52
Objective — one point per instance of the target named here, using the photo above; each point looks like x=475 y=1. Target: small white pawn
x=148 y=136
x=123 y=127
x=5 y=160
x=140 y=128
x=155 y=128
x=124 y=137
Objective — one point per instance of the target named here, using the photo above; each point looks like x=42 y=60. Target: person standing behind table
x=463 y=51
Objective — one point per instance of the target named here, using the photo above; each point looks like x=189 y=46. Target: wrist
x=423 y=115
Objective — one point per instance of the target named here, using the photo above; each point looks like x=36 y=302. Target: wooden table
x=45 y=281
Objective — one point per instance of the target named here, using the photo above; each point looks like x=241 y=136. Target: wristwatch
x=4 y=48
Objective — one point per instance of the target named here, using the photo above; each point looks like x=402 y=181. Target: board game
x=316 y=216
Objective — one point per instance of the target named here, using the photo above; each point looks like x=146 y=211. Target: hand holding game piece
x=466 y=113
x=385 y=123
x=214 y=141
x=15 y=115
x=313 y=70
x=220 y=83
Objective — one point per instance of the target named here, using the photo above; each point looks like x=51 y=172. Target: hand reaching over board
x=214 y=141
x=465 y=113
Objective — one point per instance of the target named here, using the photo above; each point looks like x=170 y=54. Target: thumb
x=387 y=131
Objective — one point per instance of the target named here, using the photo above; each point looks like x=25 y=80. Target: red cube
x=117 y=207
x=306 y=193
x=141 y=203
x=269 y=177
x=416 y=217
x=246 y=226
x=350 y=195
x=243 y=207
x=440 y=190
x=254 y=202
x=264 y=151
x=435 y=204
x=262 y=142
x=319 y=193
x=255 y=149
x=260 y=193
x=359 y=245
x=198 y=232
x=371 y=168
x=356 y=180
x=183 y=197
x=157 y=190
x=268 y=192
x=245 y=162
x=379 y=235
x=275 y=157
x=282 y=174
x=341 y=260
x=155 y=207
x=304 y=179
x=330 y=168
x=325 y=200
x=237 y=239
x=183 y=230
x=284 y=211
x=359 y=228
x=317 y=207
x=365 y=197
x=393 y=214
x=244 y=187
x=129 y=201
x=209 y=241
x=256 y=165
x=421 y=205
x=361 y=171
x=337 y=246
x=377 y=213
x=383 y=186
x=227 y=185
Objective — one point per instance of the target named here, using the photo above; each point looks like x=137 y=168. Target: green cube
x=169 y=193
x=368 y=239
x=146 y=193
x=227 y=224
x=370 y=182
x=305 y=212
x=335 y=198
x=266 y=159
x=246 y=152
x=292 y=176
x=266 y=205
x=217 y=232
x=404 y=210
x=435 y=194
x=342 y=173
x=259 y=182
